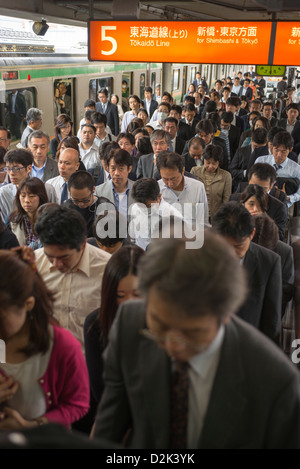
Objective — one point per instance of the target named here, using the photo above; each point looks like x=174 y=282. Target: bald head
x=68 y=162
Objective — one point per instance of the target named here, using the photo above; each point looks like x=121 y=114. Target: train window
x=126 y=89
x=63 y=97
x=13 y=111
x=142 y=84
x=97 y=84
x=153 y=80
x=193 y=71
x=175 y=83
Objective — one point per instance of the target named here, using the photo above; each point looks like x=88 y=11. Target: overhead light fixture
x=40 y=27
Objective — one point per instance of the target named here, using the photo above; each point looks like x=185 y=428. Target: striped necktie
x=179 y=406
x=276 y=166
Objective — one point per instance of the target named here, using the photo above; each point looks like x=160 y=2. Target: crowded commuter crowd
x=146 y=267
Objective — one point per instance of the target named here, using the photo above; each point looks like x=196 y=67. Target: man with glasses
x=18 y=166
x=43 y=167
x=282 y=144
x=81 y=188
x=183 y=372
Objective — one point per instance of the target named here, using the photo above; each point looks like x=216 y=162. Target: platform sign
x=287 y=43
x=238 y=42
x=270 y=70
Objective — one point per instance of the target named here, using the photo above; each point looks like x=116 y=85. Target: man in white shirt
x=71 y=268
x=176 y=188
x=150 y=213
x=68 y=163
x=99 y=121
x=282 y=144
x=89 y=151
x=43 y=167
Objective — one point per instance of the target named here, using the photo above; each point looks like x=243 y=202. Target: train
x=36 y=77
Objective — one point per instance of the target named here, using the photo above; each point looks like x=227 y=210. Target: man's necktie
x=64 y=194
x=276 y=166
x=179 y=406
x=171 y=148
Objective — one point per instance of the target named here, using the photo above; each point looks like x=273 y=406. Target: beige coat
x=220 y=190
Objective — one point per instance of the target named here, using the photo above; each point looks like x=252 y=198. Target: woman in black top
x=118 y=285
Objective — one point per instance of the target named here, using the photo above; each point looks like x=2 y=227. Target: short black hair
x=89 y=103
x=145 y=189
x=2 y=153
x=227 y=117
x=19 y=156
x=213 y=151
x=121 y=157
x=165 y=103
x=190 y=107
x=234 y=101
x=171 y=120
x=98 y=118
x=292 y=106
x=170 y=160
x=190 y=99
x=176 y=108
x=259 y=136
x=210 y=106
x=81 y=180
x=233 y=221
x=283 y=138
x=103 y=91
x=254 y=190
x=128 y=136
x=61 y=226
x=148 y=89
x=272 y=132
x=263 y=171
x=205 y=125
x=144 y=146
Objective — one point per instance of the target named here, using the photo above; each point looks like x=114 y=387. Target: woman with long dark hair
x=118 y=285
x=44 y=378
x=31 y=194
x=62 y=128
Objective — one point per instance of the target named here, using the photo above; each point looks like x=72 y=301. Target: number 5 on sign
x=104 y=37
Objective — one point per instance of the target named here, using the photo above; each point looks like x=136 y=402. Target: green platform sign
x=270 y=70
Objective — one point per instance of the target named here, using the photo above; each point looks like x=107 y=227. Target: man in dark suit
x=109 y=109
x=246 y=90
x=170 y=125
x=16 y=108
x=232 y=132
x=264 y=175
x=262 y=307
x=190 y=118
x=232 y=104
x=183 y=128
x=291 y=122
x=43 y=166
x=241 y=160
x=222 y=384
x=149 y=103
x=160 y=141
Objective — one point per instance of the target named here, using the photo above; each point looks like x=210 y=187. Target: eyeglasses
x=82 y=201
x=15 y=169
x=160 y=340
x=3 y=140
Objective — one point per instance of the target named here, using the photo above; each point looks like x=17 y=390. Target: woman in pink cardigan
x=44 y=377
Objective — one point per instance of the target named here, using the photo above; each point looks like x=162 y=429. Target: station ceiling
x=78 y=12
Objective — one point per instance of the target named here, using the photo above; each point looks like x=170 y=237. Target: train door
x=127 y=78
x=184 y=83
x=153 y=81
x=64 y=97
x=14 y=106
x=142 y=84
